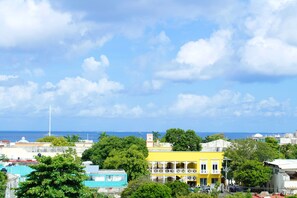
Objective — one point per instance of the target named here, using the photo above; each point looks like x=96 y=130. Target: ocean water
x=32 y=136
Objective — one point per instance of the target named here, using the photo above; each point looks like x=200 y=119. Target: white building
x=284 y=179
x=215 y=146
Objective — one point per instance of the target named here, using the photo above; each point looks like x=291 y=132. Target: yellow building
x=193 y=168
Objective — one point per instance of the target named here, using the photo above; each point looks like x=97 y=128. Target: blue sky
x=149 y=65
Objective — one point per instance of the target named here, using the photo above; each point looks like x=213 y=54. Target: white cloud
x=198 y=59
x=227 y=103
x=118 y=110
x=7 y=77
x=94 y=69
x=78 y=89
x=17 y=97
x=30 y=22
x=270 y=57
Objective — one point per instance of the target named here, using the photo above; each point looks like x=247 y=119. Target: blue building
x=106 y=181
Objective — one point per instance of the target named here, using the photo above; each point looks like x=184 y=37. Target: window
x=215 y=168
x=203 y=181
x=203 y=167
x=214 y=180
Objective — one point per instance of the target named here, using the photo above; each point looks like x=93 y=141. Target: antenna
x=50 y=121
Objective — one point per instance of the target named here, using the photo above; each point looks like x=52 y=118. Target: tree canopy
x=152 y=190
x=56 y=141
x=183 y=140
x=248 y=154
x=131 y=160
x=178 y=188
x=128 y=153
x=214 y=137
x=252 y=173
x=58 y=176
x=3 y=180
x=134 y=185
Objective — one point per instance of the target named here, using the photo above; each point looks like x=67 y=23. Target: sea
x=31 y=136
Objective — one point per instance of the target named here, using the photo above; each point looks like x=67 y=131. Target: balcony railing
x=203 y=172
x=215 y=171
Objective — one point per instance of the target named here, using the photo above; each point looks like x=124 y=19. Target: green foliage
x=289 y=151
x=178 y=188
x=243 y=153
x=214 y=137
x=152 y=190
x=131 y=160
x=58 y=176
x=134 y=185
x=252 y=173
x=183 y=140
x=56 y=141
x=72 y=138
x=156 y=135
x=197 y=195
x=101 y=150
x=3 y=180
x=239 y=195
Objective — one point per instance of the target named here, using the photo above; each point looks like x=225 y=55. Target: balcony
x=203 y=172
x=215 y=171
x=191 y=170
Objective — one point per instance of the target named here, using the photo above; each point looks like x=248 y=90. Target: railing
x=192 y=170
x=203 y=172
x=215 y=171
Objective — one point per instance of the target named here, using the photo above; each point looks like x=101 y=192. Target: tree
x=134 y=185
x=72 y=138
x=289 y=151
x=214 y=137
x=178 y=188
x=106 y=144
x=152 y=190
x=55 y=141
x=183 y=140
x=131 y=160
x=58 y=176
x=156 y=135
x=3 y=180
x=197 y=195
x=243 y=150
x=252 y=173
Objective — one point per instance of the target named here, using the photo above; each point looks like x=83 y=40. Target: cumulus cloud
x=198 y=59
x=269 y=56
x=227 y=103
x=271 y=49
x=26 y=23
x=94 y=69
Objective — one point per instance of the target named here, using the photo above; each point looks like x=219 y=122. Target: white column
x=164 y=163
x=174 y=167
x=163 y=179
x=186 y=167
